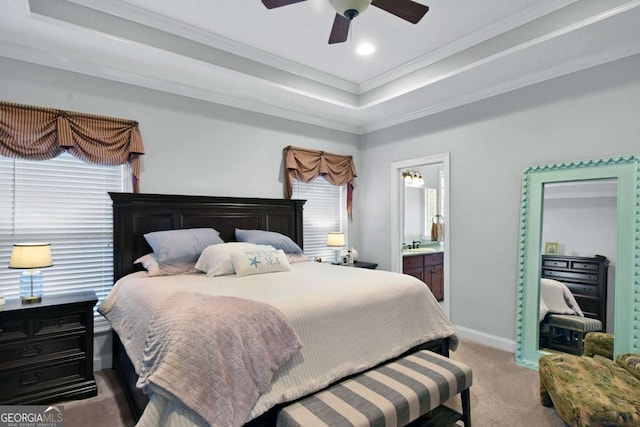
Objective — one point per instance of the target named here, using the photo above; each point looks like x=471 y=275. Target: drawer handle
x=60 y=322
x=35 y=353
x=36 y=378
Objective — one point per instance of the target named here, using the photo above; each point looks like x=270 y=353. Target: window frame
x=78 y=255
x=319 y=249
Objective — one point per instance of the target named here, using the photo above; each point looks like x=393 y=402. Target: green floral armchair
x=592 y=390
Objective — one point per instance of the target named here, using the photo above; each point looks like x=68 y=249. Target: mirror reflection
x=423 y=206
x=543 y=237
x=577 y=269
x=423 y=233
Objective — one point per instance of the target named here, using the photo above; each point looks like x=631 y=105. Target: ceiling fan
x=346 y=10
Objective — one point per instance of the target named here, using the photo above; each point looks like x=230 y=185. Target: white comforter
x=348 y=319
x=556 y=297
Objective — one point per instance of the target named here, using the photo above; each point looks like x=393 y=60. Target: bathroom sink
x=420 y=251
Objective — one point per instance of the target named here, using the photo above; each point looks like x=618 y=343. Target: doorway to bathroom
x=420 y=222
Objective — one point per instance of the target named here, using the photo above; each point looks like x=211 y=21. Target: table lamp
x=336 y=240
x=31 y=256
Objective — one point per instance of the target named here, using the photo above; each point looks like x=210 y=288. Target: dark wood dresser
x=46 y=349
x=429 y=269
x=586 y=278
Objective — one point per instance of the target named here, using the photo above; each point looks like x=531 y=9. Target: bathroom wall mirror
x=625 y=171
x=422 y=202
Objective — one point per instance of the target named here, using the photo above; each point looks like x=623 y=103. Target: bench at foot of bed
x=394 y=394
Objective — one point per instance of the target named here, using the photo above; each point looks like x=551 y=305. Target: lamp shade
x=31 y=255
x=335 y=240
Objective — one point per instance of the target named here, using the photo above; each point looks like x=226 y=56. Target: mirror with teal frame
x=626 y=170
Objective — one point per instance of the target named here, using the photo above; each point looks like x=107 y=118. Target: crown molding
x=160 y=22
x=527 y=68
x=502 y=64
x=538 y=10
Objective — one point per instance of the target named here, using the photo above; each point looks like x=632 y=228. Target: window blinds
x=62 y=201
x=322 y=214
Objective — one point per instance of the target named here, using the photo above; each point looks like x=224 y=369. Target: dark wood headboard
x=137 y=214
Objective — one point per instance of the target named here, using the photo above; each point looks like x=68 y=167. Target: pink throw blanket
x=215 y=354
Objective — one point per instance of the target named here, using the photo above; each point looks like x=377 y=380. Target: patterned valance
x=305 y=165
x=37 y=133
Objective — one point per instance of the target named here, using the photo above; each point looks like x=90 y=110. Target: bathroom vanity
x=427 y=266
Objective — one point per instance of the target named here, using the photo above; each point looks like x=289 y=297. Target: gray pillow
x=261 y=237
x=181 y=245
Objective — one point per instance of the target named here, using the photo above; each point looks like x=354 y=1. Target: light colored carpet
x=108 y=409
x=503 y=395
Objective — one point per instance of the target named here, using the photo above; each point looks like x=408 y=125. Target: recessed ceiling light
x=365 y=49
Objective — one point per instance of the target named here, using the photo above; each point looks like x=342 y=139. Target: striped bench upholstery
x=575 y=327
x=393 y=394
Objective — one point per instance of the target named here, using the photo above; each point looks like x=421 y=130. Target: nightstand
x=46 y=349
x=365 y=264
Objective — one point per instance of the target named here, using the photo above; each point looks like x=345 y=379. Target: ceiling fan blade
x=271 y=4
x=340 y=29
x=405 y=9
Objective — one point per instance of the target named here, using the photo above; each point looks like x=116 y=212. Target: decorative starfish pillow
x=248 y=262
x=215 y=260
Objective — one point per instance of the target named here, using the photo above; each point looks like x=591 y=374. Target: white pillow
x=293 y=258
x=154 y=268
x=259 y=261
x=215 y=260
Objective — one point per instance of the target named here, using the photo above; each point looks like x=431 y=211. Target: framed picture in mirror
x=551 y=248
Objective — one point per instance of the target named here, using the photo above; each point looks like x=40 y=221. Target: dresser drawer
x=582 y=265
x=41 y=324
x=56 y=323
x=412 y=261
x=581 y=289
x=13 y=329
x=555 y=263
x=18 y=354
x=569 y=275
x=36 y=378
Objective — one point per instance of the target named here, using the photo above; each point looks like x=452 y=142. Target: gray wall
x=586 y=115
x=191 y=147
x=198 y=148
x=585 y=226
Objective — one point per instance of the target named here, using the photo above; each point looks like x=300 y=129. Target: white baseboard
x=486 y=339
x=102 y=350
x=102 y=361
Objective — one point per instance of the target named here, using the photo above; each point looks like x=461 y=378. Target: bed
x=137 y=214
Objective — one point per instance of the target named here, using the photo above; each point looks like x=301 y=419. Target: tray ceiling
x=278 y=62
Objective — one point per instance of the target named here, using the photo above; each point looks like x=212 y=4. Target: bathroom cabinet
x=429 y=269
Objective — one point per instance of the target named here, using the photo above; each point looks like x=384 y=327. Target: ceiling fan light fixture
x=350 y=8
x=365 y=49
x=346 y=10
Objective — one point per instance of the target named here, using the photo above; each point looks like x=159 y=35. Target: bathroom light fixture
x=412 y=178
